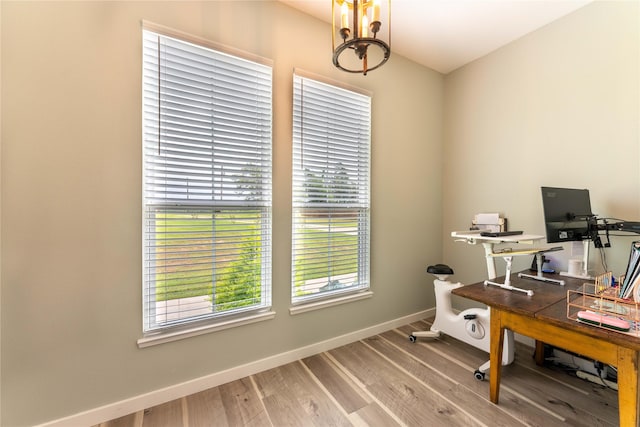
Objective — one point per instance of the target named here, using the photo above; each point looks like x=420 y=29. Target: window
x=331 y=158
x=207 y=184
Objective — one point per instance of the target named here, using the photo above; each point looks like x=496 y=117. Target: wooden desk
x=543 y=317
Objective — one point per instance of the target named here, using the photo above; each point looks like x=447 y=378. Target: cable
x=603 y=259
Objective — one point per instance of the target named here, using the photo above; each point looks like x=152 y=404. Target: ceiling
x=446 y=34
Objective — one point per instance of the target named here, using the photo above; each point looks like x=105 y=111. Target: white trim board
x=137 y=403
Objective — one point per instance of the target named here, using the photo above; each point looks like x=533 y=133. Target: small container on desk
x=600 y=306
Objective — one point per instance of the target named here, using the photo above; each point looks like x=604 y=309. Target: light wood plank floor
x=386 y=380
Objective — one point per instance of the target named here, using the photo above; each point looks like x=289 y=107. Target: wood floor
x=386 y=380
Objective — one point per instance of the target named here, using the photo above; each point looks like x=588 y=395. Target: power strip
x=587 y=369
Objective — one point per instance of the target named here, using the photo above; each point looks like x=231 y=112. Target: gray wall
x=71 y=199
x=558 y=107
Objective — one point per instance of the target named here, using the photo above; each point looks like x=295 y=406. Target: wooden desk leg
x=627 y=386
x=539 y=353
x=495 y=355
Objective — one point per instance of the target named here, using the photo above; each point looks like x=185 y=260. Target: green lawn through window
x=187 y=244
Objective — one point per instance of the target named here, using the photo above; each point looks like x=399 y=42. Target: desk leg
x=628 y=386
x=539 y=353
x=495 y=355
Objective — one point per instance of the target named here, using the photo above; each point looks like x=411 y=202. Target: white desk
x=473 y=237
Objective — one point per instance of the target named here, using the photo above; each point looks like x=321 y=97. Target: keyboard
x=500 y=233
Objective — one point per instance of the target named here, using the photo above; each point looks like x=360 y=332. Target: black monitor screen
x=566 y=211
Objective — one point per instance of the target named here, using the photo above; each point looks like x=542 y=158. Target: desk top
x=475 y=236
x=549 y=304
x=545 y=294
x=556 y=314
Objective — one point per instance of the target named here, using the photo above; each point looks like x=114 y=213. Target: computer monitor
x=566 y=214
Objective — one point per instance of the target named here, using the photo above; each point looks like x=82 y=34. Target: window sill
x=318 y=305
x=165 y=337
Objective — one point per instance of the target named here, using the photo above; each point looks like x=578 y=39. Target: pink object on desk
x=605 y=321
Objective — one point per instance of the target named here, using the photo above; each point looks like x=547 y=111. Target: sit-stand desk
x=543 y=317
x=473 y=237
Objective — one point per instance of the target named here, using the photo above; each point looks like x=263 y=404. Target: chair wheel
x=479 y=375
x=412 y=338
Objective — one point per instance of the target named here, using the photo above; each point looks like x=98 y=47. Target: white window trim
x=172 y=32
x=339 y=297
x=330 y=302
x=318 y=77
x=194 y=331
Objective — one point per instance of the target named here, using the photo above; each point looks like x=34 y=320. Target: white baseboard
x=137 y=403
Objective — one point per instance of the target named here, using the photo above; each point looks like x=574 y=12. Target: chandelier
x=358 y=24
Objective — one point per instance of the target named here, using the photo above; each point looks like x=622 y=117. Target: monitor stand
x=584 y=274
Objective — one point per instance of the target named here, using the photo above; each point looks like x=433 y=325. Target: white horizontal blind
x=207 y=183
x=331 y=195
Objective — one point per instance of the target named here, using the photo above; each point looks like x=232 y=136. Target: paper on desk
x=488 y=218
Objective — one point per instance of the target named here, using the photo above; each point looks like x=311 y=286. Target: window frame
x=208 y=199
x=344 y=198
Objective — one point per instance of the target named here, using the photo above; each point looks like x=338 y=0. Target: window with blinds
x=206 y=185
x=331 y=164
